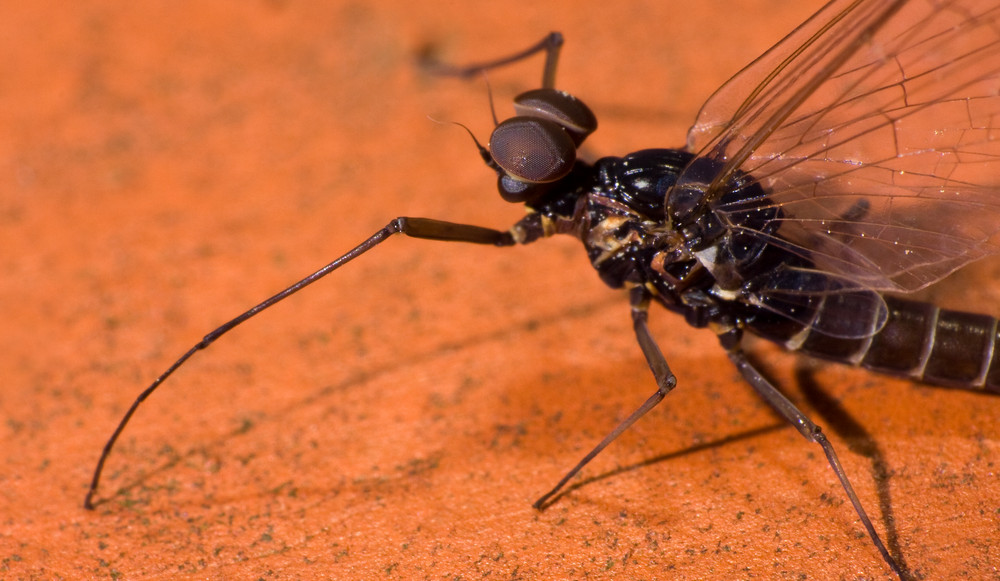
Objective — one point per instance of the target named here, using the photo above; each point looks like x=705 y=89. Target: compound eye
x=518 y=192
x=565 y=109
x=533 y=150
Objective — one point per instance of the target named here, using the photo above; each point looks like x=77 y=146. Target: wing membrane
x=821 y=301
x=875 y=127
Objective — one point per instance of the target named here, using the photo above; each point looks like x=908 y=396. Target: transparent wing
x=820 y=301
x=875 y=127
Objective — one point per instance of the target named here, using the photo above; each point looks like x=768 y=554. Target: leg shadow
x=859 y=441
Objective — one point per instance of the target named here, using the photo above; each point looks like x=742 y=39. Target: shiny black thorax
x=691 y=260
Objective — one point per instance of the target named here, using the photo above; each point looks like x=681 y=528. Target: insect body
x=855 y=158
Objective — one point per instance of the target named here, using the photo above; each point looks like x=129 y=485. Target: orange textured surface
x=166 y=165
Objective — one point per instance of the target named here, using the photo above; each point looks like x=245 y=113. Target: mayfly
x=860 y=156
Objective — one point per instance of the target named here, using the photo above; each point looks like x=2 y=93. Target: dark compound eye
x=539 y=145
x=558 y=106
x=532 y=149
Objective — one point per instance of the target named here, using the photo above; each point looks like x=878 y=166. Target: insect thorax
x=616 y=208
x=619 y=207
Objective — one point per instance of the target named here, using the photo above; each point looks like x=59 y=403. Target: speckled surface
x=165 y=166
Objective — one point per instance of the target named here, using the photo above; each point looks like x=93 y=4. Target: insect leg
x=665 y=381
x=550 y=44
x=813 y=433
x=413 y=227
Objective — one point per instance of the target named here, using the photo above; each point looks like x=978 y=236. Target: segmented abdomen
x=919 y=340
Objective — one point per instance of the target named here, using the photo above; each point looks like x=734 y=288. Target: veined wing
x=875 y=128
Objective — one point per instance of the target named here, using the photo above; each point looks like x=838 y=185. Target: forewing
x=875 y=127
